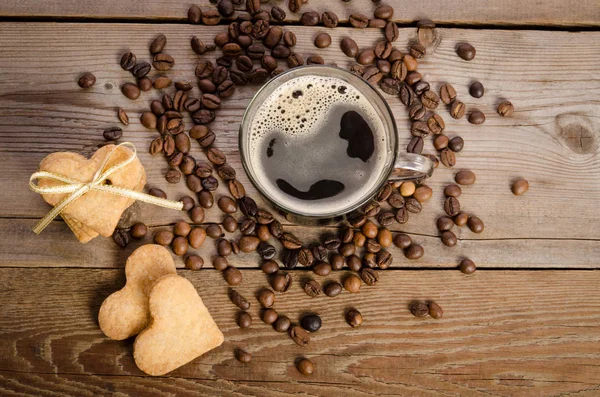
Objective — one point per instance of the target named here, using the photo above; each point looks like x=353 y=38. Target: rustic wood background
x=526 y=324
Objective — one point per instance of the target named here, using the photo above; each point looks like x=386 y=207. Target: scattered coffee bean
x=220 y=263
x=435 y=310
x=461 y=218
x=476 y=90
x=196 y=237
x=305 y=257
x=323 y=40
x=312 y=288
x=332 y=289
x=282 y=324
x=402 y=241
x=248 y=243
x=329 y=19
x=232 y=276
x=519 y=187
x=429 y=99
x=349 y=47
x=449 y=238
x=414 y=251
x=305 y=367
x=289 y=39
x=476 y=117
x=243 y=356
x=465 y=177
x=128 y=60
x=415 y=145
x=466 y=51
x=163 y=237
x=197 y=215
x=266 y=251
x=194 y=14
x=211 y=17
x=121 y=237
x=299 y=335
x=369 y=276
x=457 y=109
x=310 y=18
x=158 y=44
x=138 y=231
x=269 y=267
x=475 y=224
x=396 y=200
x=179 y=246
x=87 y=80
x=417 y=111
x=391 y=32
x=227 y=204
x=266 y=297
x=278 y=14
x=358 y=20
x=156 y=192
x=194 y=262
x=206 y=199
x=145 y=84
x=311 y=322
x=224 y=247
x=436 y=124
x=444 y=223
x=352 y=283
x=419 y=309
x=451 y=206
x=269 y=316
x=467 y=266
x=182 y=228
x=354 y=318
x=448 y=94
x=448 y=158
x=322 y=269
x=418 y=51
x=290 y=241
x=456 y=144
x=130 y=90
x=337 y=261
x=506 y=109
x=281 y=282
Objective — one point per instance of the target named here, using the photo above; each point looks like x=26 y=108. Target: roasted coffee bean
x=244 y=320
x=295 y=59
x=347 y=249
x=430 y=99
x=419 y=309
x=269 y=267
x=435 y=310
x=227 y=204
x=444 y=223
x=423 y=193
x=467 y=266
x=319 y=253
x=399 y=72
x=461 y=219
x=203 y=135
x=226 y=89
x=369 y=276
x=260 y=29
x=203 y=169
x=386 y=67
x=440 y=142
x=198 y=46
x=369 y=260
x=311 y=323
x=230 y=224
x=323 y=40
x=179 y=246
x=252 y=6
x=312 y=288
x=452 y=191
x=269 y=316
x=391 y=32
x=278 y=14
x=220 y=263
x=273 y=36
x=386 y=218
x=519 y=187
x=466 y=51
x=196 y=237
x=383 y=49
x=301 y=337
x=322 y=269
x=113 y=133
x=415 y=145
x=266 y=251
x=465 y=177
x=419 y=128
x=349 y=47
x=223 y=246
x=383 y=12
x=448 y=158
x=204 y=69
x=436 y=124
x=310 y=18
x=420 y=88
x=182 y=143
x=211 y=17
x=402 y=240
x=245 y=28
x=402 y=216
x=407 y=188
x=280 y=52
x=140 y=69
x=372 y=75
x=226 y=172
x=372 y=208
x=390 y=86
x=197 y=214
x=476 y=89
x=315 y=60
x=413 y=205
x=384 y=238
x=305 y=257
x=175 y=126
x=205 y=198
x=377 y=23
x=332 y=243
x=173 y=176
x=506 y=109
x=236 y=189
x=448 y=238
x=476 y=117
x=410 y=62
x=121 y=237
x=475 y=224
x=192 y=105
x=417 y=51
x=412 y=78
x=168 y=145
x=384 y=259
x=156 y=192
x=396 y=200
x=145 y=84
x=138 y=231
x=158 y=44
x=232 y=276
x=366 y=57
x=282 y=324
x=128 y=60
x=210 y=101
x=248 y=243
x=161 y=82
x=359 y=239
x=290 y=257
x=417 y=111
x=194 y=14
x=130 y=90
x=163 y=237
x=248 y=207
x=451 y=206
x=447 y=94
x=266 y=297
x=407 y=95
x=354 y=318
x=456 y=144
x=203 y=116
x=234 y=30
x=358 y=20
x=369 y=229
x=225 y=8
x=357 y=219
x=255 y=51
x=207 y=86
x=457 y=109
x=281 y=282
x=414 y=251
x=163 y=62
x=258 y=75
x=384 y=193
x=269 y=63
x=210 y=183
x=372 y=246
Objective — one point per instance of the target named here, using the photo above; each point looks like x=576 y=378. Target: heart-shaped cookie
x=99 y=211
x=125 y=313
x=181 y=328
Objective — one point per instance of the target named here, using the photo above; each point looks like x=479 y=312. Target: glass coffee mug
x=319 y=142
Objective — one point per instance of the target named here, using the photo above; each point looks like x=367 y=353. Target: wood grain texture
x=472 y=12
x=552 y=140
x=509 y=333
x=56 y=248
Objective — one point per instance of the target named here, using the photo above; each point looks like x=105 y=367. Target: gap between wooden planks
x=56 y=247
x=552 y=140
x=558 y=13
x=506 y=333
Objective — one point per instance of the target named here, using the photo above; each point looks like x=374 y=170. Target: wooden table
x=527 y=323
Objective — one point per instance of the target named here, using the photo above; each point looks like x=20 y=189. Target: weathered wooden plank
x=552 y=140
x=472 y=12
x=506 y=333
x=56 y=247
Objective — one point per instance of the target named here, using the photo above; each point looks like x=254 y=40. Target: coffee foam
x=299 y=110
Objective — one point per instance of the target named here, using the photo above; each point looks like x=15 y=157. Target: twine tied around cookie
x=78 y=189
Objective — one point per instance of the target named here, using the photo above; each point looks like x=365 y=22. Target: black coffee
x=317 y=140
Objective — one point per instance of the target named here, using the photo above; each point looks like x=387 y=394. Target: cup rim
x=387 y=172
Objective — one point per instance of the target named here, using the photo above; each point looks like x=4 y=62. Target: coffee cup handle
x=411 y=167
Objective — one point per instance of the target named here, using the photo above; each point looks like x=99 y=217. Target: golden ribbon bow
x=78 y=188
